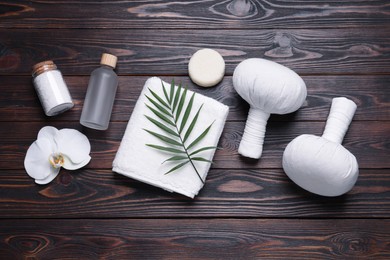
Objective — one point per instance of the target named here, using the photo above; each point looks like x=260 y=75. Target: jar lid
x=43 y=63
x=109 y=60
x=43 y=66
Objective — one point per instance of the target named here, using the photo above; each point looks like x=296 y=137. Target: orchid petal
x=49 y=178
x=69 y=165
x=37 y=162
x=73 y=145
x=48 y=132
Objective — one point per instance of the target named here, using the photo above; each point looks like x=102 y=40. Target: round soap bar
x=206 y=67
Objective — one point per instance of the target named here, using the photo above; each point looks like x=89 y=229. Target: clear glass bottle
x=100 y=95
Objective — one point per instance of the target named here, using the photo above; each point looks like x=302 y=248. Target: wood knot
x=238 y=186
x=29 y=245
x=14 y=9
x=362 y=51
x=241 y=8
x=65 y=178
x=352 y=244
x=8 y=59
x=282 y=46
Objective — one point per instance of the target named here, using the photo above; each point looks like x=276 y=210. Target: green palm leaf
x=180 y=106
x=158 y=106
x=162 y=126
x=166 y=149
x=178 y=167
x=169 y=111
x=161 y=116
x=203 y=149
x=200 y=137
x=176 y=158
x=186 y=113
x=162 y=102
x=165 y=93
x=189 y=130
x=200 y=159
x=172 y=92
x=176 y=99
x=163 y=138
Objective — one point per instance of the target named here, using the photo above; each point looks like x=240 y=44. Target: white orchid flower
x=54 y=149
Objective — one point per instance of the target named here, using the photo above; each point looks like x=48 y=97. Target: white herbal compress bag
x=320 y=164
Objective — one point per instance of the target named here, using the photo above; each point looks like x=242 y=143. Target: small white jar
x=51 y=88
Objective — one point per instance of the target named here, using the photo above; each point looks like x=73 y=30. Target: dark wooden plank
x=195 y=239
x=248 y=209
x=167 y=52
x=368 y=141
x=241 y=14
x=227 y=193
x=19 y=102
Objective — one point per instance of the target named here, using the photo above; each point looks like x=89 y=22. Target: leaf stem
x=192 y=163
x=171 y=108
x=185 y=148
x=181 y=140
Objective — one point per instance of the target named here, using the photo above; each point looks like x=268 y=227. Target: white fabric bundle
x=269 y=88
x=136 y=160
x=321 y=164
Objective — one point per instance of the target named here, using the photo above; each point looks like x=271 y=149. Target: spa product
x=321 y=164
x=100 y=95
x=269 y=88
x=54 y=149
x=51 y=88
x=171 y=115
x=206 y=67
x=136 y=159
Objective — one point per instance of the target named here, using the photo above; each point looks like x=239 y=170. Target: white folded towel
x=137 y=160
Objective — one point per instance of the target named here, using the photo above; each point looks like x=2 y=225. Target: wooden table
x=248 y=209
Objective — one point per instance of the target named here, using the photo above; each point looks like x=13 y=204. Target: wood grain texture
x=227 y=193
x=167 y=52
x=19 y=101
x=248 y=209
x=369 y=143
x=228 y=14
x=195 y=239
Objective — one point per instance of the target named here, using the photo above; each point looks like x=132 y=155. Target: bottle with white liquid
x=100 y=95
